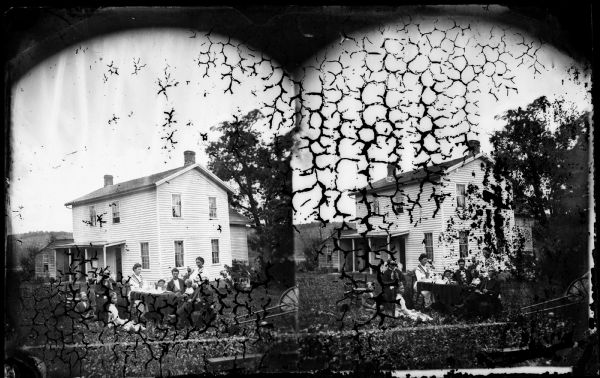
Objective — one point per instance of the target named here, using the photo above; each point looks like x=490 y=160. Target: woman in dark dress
x=393 y=282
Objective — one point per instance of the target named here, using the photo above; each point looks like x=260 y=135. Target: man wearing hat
x=393 y=282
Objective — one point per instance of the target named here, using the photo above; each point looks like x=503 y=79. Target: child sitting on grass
x=115 y=320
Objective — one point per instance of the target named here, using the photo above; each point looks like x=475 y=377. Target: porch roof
x=373 y=234
x=91 y=244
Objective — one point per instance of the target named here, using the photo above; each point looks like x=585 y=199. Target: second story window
x=116 y=212
x=375 y=205
x=460 y=195
x=92 y=216
x=398 y=204
x=212 y=207
x=176 y=205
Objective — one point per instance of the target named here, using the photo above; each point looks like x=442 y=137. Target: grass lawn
x=72 y=346
x=336 y=339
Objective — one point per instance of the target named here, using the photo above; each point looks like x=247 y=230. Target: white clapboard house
x=161 y=221
x=448 y=211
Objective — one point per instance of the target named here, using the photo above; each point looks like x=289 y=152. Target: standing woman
x=135 y=280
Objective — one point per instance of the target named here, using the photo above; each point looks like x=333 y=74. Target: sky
x=97 y=108
x=389 y=84
x=88 y=111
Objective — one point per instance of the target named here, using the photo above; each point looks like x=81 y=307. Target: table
x=447 y=294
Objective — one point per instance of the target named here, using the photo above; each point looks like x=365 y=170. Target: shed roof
x=237 y=218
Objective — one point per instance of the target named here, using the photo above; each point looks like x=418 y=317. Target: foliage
x=548 y=172
x=260 y=170
x=311 y=261
x=547 y=169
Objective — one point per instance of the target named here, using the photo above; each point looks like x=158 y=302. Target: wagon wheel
x=578 y=290
x=289 y=299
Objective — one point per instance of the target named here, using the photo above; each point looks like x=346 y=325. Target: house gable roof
x=145 y=182
x=416 y=175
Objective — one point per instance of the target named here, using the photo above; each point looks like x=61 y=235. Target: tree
x=548 y=171
x=259 y=168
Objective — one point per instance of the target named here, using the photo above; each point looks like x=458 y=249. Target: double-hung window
x=398 y=204
x=145 y=250
x=116 y=212
x=176 y=205
x=328 y=253
x=463 y=243
x=92 y=216
x=212 y=207
x=178 y=253
x=429 y=245
x=215 y=250
x=460 y=195
x=375 y=205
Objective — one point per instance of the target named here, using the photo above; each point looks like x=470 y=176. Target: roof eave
x=108 y=196
x=205 y=171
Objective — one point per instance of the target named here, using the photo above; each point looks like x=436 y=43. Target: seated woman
x=115 y=320
x=446 y=278
x=160 y=285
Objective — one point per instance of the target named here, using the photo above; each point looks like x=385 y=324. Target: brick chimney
x=108 y=180
x=189 y=157
x=474 y=147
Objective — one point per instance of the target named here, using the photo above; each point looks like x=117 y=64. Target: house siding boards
x=471 y=173
x=444 y=224
x=137 y=225
x=423 y=220
x=146 y=217
x=194 y=226
x=239 y=242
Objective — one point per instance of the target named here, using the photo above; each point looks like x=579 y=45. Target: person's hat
x=392 y=262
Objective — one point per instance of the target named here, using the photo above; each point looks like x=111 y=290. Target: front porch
x=81 y=262
x=359 y=252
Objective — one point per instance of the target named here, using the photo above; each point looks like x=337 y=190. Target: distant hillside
x=20 y=245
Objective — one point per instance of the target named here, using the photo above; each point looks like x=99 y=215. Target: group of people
x=192 y=289
x=480 y=280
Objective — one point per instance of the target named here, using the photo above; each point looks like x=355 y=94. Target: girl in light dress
x=115 y=320
x=401 y=311
x=189 y=289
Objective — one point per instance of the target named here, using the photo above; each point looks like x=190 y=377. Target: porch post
x=55 y=265
x=389 y=239
x=70 y=262
x=85 y=258
x=104 y=256
x=353 y=256
x=369 y=255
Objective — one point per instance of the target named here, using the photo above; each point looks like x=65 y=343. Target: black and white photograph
x=299 y=189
